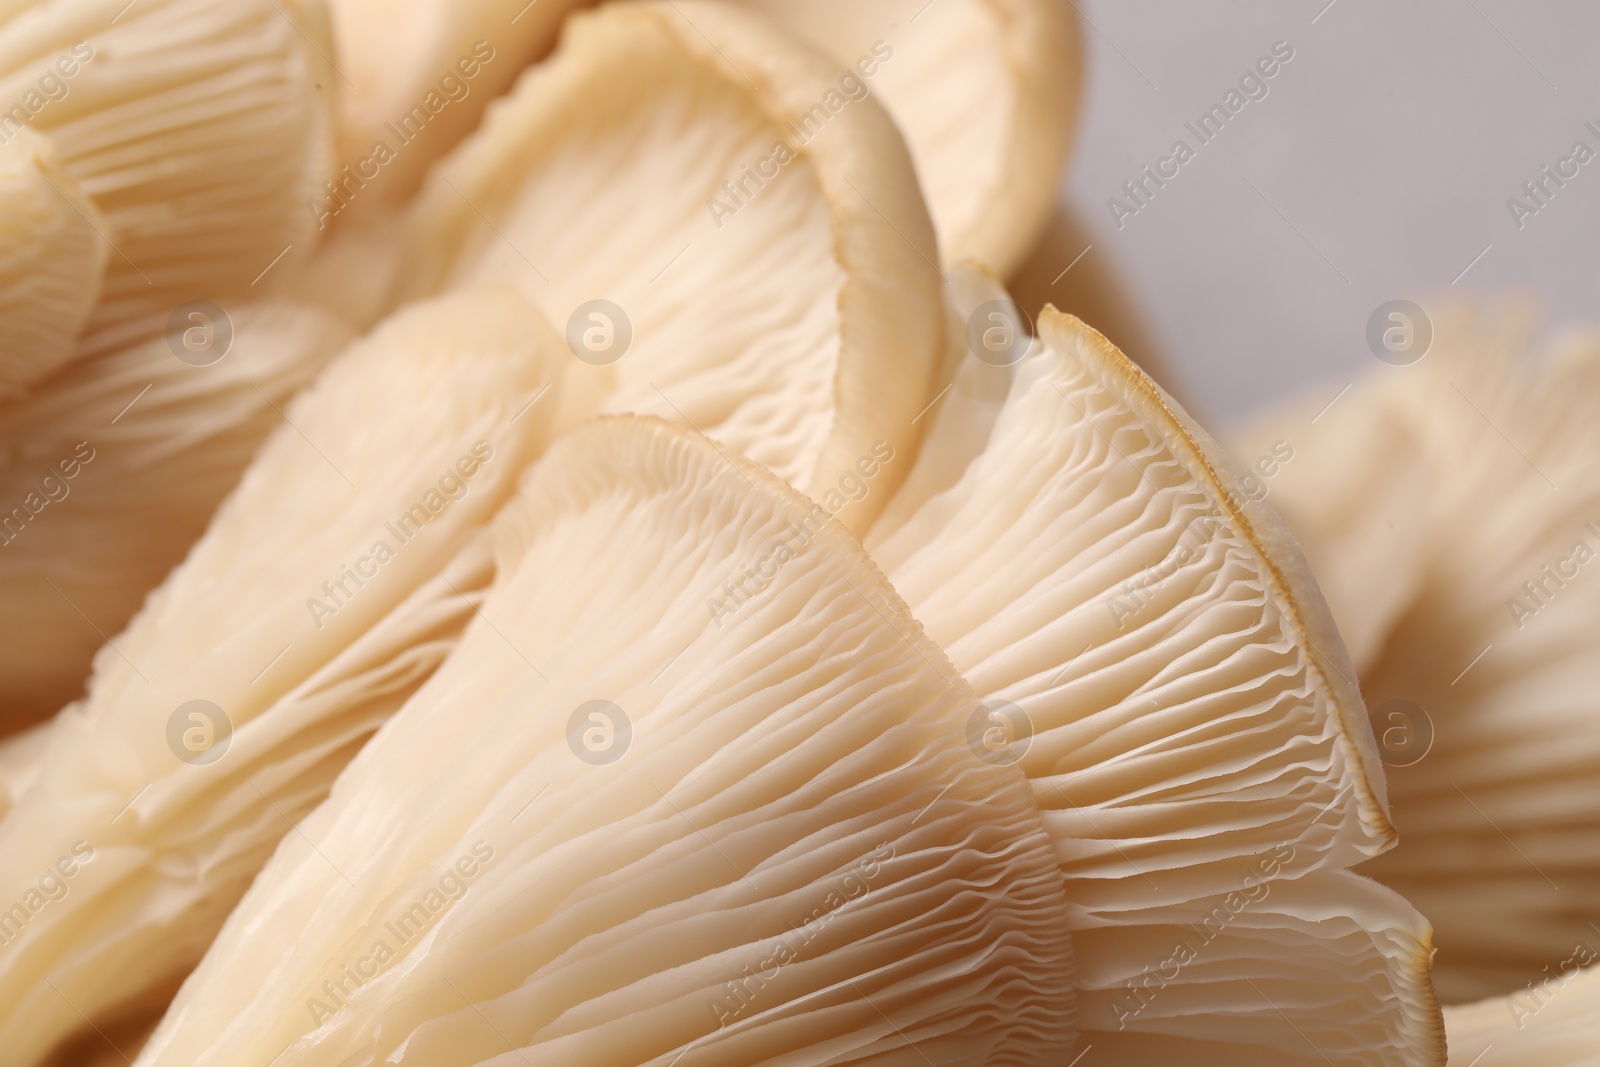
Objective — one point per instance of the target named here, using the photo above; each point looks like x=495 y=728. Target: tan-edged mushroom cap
x=615 y=829
x=1156 y=658
x=327 y=587
x=51 y=258
x=1481 y=666
x=420 y=73
x=111 y=468
x=197 y=128
x=653 y=189
x=986 y=93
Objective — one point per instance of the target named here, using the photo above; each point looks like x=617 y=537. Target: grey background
x=1381 y=161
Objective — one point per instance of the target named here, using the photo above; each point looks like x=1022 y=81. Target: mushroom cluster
x=535 y=533
x=1452 y=511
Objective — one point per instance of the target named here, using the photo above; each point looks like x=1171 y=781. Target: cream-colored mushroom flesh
x=110 y=469
x=651 y=187
x=326 y=589
x=19 y=763
x=197 y=128
x=616 y=829
x=1157 y=660
x=1554 y=1021
x=419 y=75
x=985 y=92
x=51 y=258
x=1481 y=667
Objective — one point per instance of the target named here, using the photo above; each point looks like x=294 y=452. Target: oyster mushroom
x=652 y=186
x=610 y=830
x=1555 y=1022
x=51 y=257
x=197 y=128
x=328 y=586
x=112 y=467
x=1156 y=657
x=1480 y=661
x=985 y=92
x=419 y=77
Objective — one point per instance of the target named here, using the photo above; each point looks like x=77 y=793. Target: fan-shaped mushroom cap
x=112 y=467
x=51 y=258
x=326 y=589
x=1489 y=534
x=796 y=320
x=420 y=73
x=1553 y=1022
x=638 y=832
x=985 y=92
x=197 y=128
x=1180 y=701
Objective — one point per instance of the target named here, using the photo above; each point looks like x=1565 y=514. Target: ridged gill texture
x=111 y=468
x=615 y=830
x=327 y=587
x=1158 y=662
x=51 y=258
x=768 y=274
x=197 y=128
x=1454 y=507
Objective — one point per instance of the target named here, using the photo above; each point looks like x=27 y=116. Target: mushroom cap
x=1181 y=704
x=51 y=258
x=986 y=93
x=1553 y=1022
x=797 y=322
x=420 y=74
x=329 y=584
x=19 y=762
x=118 y=461
x=780 y=846
x=1487 y=530
x=197 y=128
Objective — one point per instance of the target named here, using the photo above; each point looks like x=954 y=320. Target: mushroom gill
x=1157 y=659
x=614 y=828
x=717 y=255
x=1479 y=658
